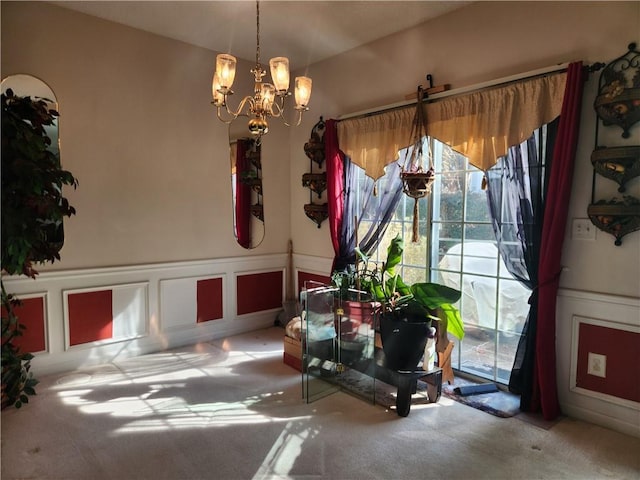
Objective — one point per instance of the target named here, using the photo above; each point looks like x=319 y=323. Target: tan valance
x=373 y=142
x=481 y=125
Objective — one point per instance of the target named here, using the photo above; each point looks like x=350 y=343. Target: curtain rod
x=460 y=91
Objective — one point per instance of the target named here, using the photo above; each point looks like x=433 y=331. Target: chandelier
x=267 y=99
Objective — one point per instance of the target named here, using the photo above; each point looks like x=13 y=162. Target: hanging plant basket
x=417 y=184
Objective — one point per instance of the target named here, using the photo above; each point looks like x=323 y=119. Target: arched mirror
x=29 y=86
x=23 y=85
x=246 y=185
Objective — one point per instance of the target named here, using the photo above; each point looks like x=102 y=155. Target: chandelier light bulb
x=267 y=93
x=218 y=97
x=226 y=70
x=303 y=92
x=280 y=74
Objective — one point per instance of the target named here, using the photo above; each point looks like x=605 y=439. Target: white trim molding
x=143 y=293
x=611 y=311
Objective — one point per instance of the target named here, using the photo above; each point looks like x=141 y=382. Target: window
x=457 y=247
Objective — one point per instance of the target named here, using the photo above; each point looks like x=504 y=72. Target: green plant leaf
x=454 y=320
x=434 y=295
x=394 y=255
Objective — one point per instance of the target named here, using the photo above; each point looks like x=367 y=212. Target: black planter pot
x=403 y=341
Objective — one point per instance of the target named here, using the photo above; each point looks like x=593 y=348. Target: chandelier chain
x=257 y=32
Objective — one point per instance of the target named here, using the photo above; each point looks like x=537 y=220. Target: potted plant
x=406 y=311
x=32 y=212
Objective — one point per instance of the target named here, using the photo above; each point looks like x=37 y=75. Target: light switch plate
x=583 y=229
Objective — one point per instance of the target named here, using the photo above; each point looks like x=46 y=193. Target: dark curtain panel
x=360 y=204
x=553 y=231
x=335 y=190
x=351 y=200
x=379 y=209
x=516 y=189
x=243 y=196
x=347 y=239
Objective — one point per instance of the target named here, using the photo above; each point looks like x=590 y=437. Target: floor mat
x=501 y=404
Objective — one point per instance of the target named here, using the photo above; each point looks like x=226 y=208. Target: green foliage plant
x=33 y=208
x=423 y=301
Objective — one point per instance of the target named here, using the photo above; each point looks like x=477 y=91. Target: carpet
x=501 y=404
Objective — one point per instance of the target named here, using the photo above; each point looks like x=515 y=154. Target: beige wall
x=138 y=131
x=477 y=43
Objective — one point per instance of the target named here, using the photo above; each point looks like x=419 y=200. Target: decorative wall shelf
x=314 y=148
x=257 y=211
x=254 y=183
x=616 y=219
x=619 y=164
x=316 y=182
x=254 y=158
x=317 y=213
x=618 y=100
x=617 y=104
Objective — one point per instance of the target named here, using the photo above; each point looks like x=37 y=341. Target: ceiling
x=304 y=31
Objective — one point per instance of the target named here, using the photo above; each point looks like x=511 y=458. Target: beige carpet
x=230 y=409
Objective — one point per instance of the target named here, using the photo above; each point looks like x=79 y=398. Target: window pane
x=412 y=275
x=449 y=159
x=478 y=353
x=513 y=307
x=450 y=231
x=507 y=346
x=415 y=253
x=479 y=257
x=476 y=202
x=483 y=290
x=479 y=231
x=439 y=250
x=450 y=206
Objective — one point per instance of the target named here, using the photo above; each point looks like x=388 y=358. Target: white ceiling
x=304 y=31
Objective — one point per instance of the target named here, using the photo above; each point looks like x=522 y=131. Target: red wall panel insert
x=209 y=300
x=31 y=315
x=304 y=277
x=258 y=292
x=623 y=357
x=90 y=316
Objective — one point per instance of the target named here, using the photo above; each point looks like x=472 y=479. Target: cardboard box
x=292 y=355
x=293 y=347
x=292 y=361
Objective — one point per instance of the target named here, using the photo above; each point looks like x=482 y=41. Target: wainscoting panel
x=209 y=300
x=33 y=315
x=99 y=315
x=317 y=269
x=259 y=291
x=607 y=326
x=106 y=315
x=178 y=303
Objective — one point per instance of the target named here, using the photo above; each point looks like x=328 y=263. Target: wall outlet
x=597 y=365
x=583 y=229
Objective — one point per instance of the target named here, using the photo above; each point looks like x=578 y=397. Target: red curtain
x=243 y=197
x=545 y=393
x=335 y=184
